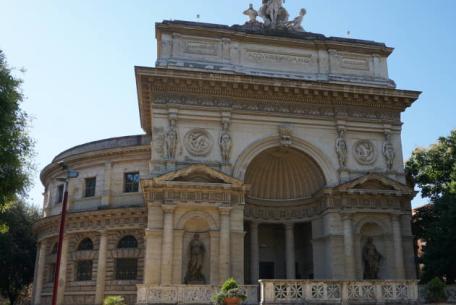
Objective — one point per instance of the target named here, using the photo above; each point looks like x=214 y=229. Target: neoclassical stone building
x=268 y=153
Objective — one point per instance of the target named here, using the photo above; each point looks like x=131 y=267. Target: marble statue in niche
x=226 y=143
x=388 y=151
x=197 y=252
x=371 y=260
x=170 y=141
x=341 y=148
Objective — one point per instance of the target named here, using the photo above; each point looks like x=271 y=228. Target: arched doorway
x=277 y=246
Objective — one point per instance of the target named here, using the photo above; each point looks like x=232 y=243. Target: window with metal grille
x=126 y=268
x=84 y=270
x=51 y=273
x=131 y=182
x=90 y=186
x=85 y=245
x=59 y=197
x=127 y=242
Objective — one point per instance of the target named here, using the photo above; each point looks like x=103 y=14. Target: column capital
x=254 y=225
x=289 y=226
x=168 y=208
x=153 y=232
x=347 y=216
x=103 y=232
x=395 y=217
x=225 y=210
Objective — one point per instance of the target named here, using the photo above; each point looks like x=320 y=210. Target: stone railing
x=450 y=292
x=187 y=294
x=337 y=292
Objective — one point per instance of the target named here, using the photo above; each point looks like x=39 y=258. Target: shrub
x=230 y=289
x=114 y=300
x=435 y=291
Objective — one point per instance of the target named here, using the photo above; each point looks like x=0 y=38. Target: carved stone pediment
x=375 y=183
x=196 y=184
x=199 y=173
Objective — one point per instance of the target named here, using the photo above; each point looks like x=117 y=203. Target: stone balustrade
x=187 y=294
x=450 y=292
x=337 y=292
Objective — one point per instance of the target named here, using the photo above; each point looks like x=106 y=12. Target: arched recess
x=182 y=221
x=376 y=228
x=282 y=175
x=194 y=225
x=256 y=148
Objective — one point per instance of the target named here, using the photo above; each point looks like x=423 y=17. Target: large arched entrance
x=278 y=244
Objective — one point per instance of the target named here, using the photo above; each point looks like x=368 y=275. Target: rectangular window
x=126 y=269
x=90 y=186
x=51 y=272
x=59 y=197
x=131 y=182
x=84 y=270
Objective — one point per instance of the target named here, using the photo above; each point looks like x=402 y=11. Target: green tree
x=434 y=171
x=17 y=250
x=16 y=146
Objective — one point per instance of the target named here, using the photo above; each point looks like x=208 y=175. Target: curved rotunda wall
x=283 y=174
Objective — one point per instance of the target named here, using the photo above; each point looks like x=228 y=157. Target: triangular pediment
x=199 y=173
x=375 y=183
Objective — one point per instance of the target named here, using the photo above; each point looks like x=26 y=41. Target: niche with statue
x=196 y=252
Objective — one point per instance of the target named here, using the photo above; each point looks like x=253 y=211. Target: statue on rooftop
x=274 y=15
x=295 y=25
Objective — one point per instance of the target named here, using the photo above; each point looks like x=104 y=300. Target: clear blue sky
x=79 y=56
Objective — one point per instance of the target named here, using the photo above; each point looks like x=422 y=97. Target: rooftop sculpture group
x=275 y=17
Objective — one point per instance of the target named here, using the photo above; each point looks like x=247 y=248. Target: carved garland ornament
x=364 y=152
x=198 y=142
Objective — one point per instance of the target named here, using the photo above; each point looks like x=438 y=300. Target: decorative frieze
x=292 y=108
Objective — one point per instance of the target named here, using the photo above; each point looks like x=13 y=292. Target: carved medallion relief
x=364 y=152
x=198 y=142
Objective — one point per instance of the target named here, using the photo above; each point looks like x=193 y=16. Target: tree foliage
x=15 y=144
x=17 y=250
x=434 y=172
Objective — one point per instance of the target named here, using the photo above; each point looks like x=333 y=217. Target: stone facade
x=281 y=151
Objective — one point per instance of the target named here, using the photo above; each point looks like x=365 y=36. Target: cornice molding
x=229 y=90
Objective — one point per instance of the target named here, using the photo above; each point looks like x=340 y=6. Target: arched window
x=85 y=244
x=127 y=268
x=127 y=242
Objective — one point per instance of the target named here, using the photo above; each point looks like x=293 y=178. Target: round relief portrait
x=364 y=151
x=198 y=142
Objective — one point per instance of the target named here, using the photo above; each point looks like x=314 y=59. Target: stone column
x=38 y=287
x=214 y=255
x=167 y=245
x=106 y=195
x=254 y=253
x=63 y=272
x=349 y=257
x=290 y=250
x=398 y=252
x=224 y=263
x=178 y=256
x=152 y=259
x=101 y=268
